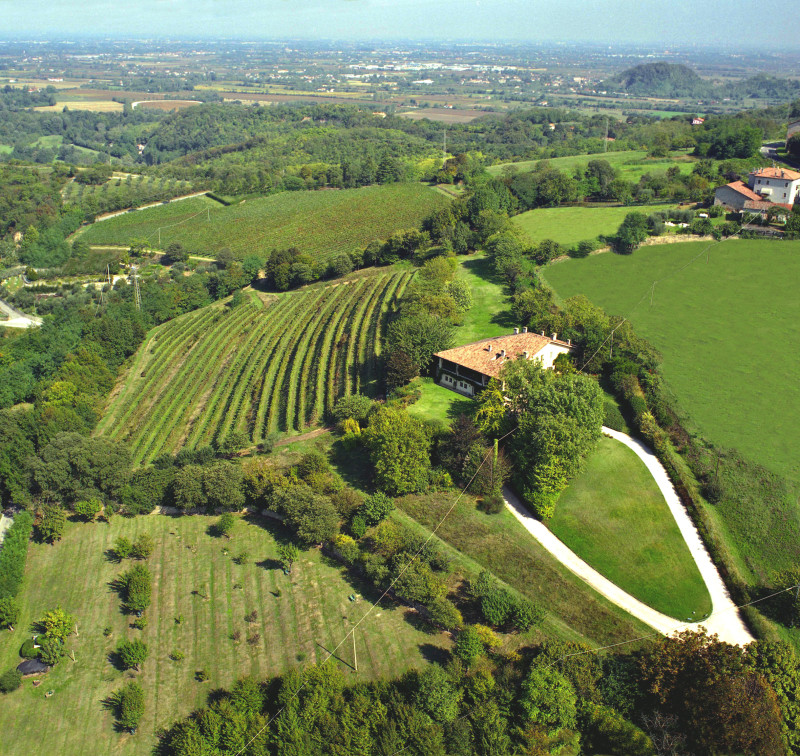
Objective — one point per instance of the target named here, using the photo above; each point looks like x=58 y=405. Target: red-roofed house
x=734 y=195
x=468 y=369
x=775 y=184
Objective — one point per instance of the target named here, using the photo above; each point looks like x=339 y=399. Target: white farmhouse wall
x=548 y=355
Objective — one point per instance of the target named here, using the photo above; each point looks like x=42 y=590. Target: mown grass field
x=728 y=330
x=569 y=225
x=613 y=516
x=299 y=616
x=259 y=368
x=632 y=164
x=318 y=222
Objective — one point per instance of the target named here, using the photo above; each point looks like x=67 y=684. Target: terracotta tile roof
x=776 y=173
x=485 y=356
x=744 y=190
x=763 y=205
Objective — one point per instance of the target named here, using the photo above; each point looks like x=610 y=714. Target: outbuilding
x=31 y=667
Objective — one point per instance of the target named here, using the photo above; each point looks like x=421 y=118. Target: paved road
x=724 y=619
x=17 y=319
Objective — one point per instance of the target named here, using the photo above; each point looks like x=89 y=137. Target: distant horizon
x=714 y=24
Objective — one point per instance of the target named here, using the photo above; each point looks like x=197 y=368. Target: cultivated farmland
x=318 y=222
x=259 y=368
x=200 y=600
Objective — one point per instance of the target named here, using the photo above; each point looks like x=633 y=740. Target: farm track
x=259 y=368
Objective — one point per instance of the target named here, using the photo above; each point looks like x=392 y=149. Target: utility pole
x=652 y=291
x=444 y=149
x=355 y=657
x=605 y=141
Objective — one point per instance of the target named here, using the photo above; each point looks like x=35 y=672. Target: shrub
x=287 y=554
x=28 y=650
x=137 y=583
x=347 y=548
x=132 y=654
x=313 y=462
x=376 y=508
x=468 y=645
x=493 y=503
x=10 y=681
x=52 y=650
x=140 y=623
x=122 y=547
x=225 y=524
x=355 y=406
x=347 y=501
x=9 y=612
x=488 y=637
x=52 y=519
x=613 y=418
x=358 y=527
x=130 y=705
x=526 y=615
x=142 y=547
x=497 y=606
x=443 y=612
x=201 y=675
x=89 y=509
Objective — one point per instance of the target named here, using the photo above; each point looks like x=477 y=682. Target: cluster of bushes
x=690 y=692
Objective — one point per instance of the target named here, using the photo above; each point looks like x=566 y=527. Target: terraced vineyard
x=258 y=368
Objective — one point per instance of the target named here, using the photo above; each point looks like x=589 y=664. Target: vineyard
x=258 y=368
x=316 y=222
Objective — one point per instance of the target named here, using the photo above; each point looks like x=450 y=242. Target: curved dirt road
x=724 y=619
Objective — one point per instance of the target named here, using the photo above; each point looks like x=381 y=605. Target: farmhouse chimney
x=526 y=355
x=569 y=342
x=524 y=329
x=516 y=331
x=542 y=333
x=502 y=354
x=554 y=336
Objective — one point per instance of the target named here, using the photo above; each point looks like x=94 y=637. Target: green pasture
x=632 y=164
x=728 y=327
x=299 y=618
x=615 y=518
x=569 y=225
x=316 y=222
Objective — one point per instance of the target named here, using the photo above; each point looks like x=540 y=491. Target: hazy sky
x=711 y=22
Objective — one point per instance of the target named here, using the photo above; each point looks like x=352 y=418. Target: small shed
x=33 y=667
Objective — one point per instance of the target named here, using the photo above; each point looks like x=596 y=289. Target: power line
x=382 y=596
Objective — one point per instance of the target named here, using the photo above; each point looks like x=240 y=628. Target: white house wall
x=549 y=353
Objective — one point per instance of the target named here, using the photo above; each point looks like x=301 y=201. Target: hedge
x=13 y=553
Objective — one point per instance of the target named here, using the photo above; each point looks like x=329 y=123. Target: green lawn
x=728 y=330
x=569 y=225
x=614 y=517
x=632 y=164
x=312 y=613
x=489 y=315
x=316 y=222
x=439 y=403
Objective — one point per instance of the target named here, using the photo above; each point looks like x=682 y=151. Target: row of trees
x=684 y=694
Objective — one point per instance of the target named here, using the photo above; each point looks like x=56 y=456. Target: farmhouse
x=765 y=187
x=468 y=369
